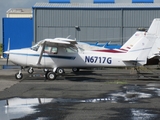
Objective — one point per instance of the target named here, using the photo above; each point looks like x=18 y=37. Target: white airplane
x=64 y=53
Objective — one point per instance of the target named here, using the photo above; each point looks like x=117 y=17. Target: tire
x=18 y=76
x=51 y=76
x=30 y=70
x=46 y=73
x=60 y=70
x=75 y=69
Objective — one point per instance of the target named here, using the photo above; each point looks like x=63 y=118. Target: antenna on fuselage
x=68 y=36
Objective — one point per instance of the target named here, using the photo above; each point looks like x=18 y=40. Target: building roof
x=97 y=6
x=20 y=11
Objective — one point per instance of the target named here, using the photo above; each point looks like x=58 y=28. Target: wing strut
x=40 y=57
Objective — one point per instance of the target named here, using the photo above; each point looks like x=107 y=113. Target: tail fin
x=155 y=51
x=132 y=41
x=155 y=27
x=140 y=51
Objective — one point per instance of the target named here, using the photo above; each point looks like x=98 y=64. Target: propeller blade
x=8 y=50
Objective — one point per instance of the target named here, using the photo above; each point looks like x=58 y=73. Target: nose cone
x=18 y=56
x=6 y=52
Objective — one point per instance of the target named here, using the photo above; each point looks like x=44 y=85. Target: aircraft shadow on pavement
x=90 y=76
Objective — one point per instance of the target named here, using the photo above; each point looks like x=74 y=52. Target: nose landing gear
x=19 y=75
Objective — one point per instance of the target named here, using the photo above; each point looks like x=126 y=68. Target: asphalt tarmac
x=105 y=94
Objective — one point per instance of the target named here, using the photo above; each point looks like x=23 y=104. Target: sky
x=7 y=4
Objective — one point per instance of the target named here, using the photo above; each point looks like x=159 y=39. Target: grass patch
x=1 y=48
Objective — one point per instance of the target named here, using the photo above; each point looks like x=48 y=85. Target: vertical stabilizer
x=155 y=27
x=133 y=40
x=140 y=50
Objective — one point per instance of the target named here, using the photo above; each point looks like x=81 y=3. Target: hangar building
x=98 y=20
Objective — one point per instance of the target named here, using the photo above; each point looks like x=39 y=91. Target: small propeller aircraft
x=60 y=53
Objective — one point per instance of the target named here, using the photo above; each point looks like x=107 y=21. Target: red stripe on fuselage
x=110 y=51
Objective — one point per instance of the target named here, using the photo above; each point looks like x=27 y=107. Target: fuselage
x=67 y=57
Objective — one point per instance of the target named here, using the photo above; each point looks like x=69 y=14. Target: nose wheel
x=18 y=76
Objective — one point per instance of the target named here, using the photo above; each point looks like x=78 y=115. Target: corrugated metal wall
x=115 y=25
x=133 y=19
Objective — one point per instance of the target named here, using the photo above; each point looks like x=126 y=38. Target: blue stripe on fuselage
x=51 y=56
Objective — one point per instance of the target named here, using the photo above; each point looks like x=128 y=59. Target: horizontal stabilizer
x=134 y=60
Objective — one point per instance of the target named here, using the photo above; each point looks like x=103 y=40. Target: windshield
x=36 y=46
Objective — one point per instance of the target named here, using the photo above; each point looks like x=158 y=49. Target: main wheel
x=18 y=76
x=51 y=76
x=75 y=69
x=46 y=73
x=30 y=70
x=60 y=70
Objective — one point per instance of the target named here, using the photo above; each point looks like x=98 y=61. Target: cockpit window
x=47 y=49
x=71 y=49
x=54 y=50
x=51 y=50
x=36 y=46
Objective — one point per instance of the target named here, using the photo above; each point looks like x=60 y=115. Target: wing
x=53 y=42
x=60 y=41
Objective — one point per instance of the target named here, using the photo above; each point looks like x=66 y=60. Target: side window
x=51 y=50
x=47 y=49
x=54 y=50
x=71 y=49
